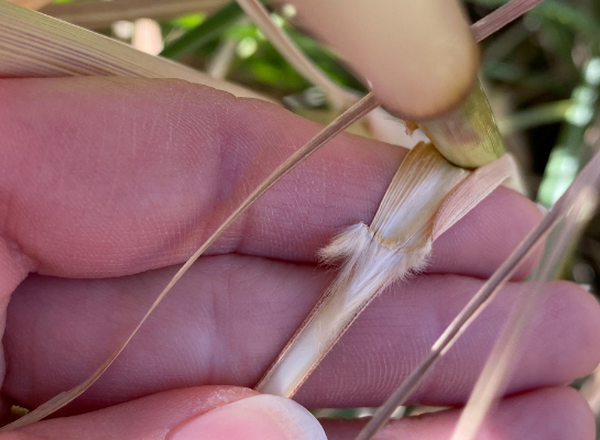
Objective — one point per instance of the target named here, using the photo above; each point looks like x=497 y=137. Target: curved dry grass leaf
x=501 y=17
x=35 y=45
x=339 y=98
x=101 y=14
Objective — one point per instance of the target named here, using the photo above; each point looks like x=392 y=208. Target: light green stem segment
x=468 y=136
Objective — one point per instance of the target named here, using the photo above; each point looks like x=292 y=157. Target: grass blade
x=501 y=17
x=339 y=98
x=221 y=61
x=35 y=45
x=101 y=14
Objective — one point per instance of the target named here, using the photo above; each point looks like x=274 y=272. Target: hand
x=107 y=184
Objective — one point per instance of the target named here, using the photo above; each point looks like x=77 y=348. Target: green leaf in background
x=208 y=30
x=566 y=157
x=189 y=21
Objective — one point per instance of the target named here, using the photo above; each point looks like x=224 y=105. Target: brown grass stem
x=501 y=17
x=425 y=198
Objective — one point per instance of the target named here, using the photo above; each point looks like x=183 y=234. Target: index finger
x=112 y=176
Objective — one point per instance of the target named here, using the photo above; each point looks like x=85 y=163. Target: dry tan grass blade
x=339 y=98
x=576 y=206
x=100 y=14
x=501 y=17
x=473 y=190
x=35 y=45
x=361 y=108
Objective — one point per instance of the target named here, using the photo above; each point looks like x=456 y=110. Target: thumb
x=196 y=413
x=262 y=417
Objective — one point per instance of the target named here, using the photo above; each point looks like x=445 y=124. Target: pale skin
x=108 y=184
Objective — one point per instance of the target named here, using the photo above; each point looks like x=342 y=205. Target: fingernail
x=262 y=417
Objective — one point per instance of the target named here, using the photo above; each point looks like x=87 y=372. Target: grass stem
x=338 y=97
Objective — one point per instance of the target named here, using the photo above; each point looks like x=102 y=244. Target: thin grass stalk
x=580 y=204
x=501 y=17
x=535 y=116
x=356 y=112
x=101 y=14
x=33 y=45
x=220 y=62
x=339 y=98
x=477 y=304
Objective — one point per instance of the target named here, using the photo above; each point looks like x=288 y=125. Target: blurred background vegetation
x=542 y=74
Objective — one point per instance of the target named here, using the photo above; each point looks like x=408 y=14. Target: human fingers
x=550 y=413
x=232 y=413
x=229 y=318
x=112 y=176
